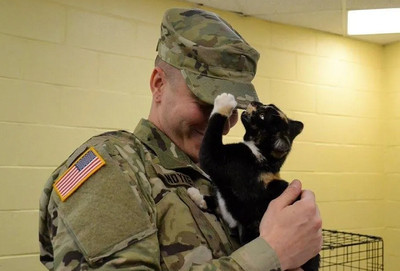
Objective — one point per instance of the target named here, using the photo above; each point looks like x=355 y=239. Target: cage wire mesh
x=345 y=251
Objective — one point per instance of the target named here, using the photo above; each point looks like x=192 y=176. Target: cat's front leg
x=224 y=104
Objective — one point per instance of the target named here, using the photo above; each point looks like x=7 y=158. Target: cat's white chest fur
x=198 y=198
x=254 y=150
x=226 y=215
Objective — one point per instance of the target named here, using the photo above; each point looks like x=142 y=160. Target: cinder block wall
x=392 y=154
x=70 y=69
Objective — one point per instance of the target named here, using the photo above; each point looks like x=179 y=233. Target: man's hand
x=293 y=228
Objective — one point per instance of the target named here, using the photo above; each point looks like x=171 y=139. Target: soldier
x=120 y=200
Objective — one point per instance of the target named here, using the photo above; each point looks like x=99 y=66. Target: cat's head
x=270 y=129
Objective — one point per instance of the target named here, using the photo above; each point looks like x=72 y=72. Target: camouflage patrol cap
x=211 y=55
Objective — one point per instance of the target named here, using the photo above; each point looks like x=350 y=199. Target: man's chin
x=194 y=152
x=193 y=156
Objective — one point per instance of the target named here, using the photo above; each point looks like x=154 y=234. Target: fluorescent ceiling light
x=373 y=21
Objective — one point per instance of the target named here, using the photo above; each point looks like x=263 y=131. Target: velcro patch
x=87 y=164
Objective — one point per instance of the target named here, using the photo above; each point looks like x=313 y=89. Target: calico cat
x=246 y=174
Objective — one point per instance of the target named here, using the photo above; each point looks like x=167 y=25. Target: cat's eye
x=262 y=116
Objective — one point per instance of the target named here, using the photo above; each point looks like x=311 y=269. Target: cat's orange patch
x=250 y=108
x=266 y=178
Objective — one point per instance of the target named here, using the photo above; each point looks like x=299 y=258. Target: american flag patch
x=87 y=164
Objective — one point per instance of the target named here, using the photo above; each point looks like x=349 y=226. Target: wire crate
x=345 y=251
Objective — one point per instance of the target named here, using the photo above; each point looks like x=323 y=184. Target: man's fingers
x=307 y=194
x=291 y=193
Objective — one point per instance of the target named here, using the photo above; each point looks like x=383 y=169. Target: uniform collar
x=169 y=155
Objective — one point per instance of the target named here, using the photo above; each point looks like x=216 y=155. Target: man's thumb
x=291 y=193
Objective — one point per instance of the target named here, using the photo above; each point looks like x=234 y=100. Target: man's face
x=184 y=118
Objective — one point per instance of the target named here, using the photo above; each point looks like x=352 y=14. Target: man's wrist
x=281 y=256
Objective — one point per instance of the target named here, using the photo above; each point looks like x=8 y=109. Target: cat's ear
x=295 y=128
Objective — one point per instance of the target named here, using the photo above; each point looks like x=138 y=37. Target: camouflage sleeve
x=107 y=223
x=111 y=222
x=257 y=255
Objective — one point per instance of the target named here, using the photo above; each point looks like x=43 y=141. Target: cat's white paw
x=197 y=197
x=224 y=104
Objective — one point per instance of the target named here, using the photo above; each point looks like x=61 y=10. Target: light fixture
x=373 y=21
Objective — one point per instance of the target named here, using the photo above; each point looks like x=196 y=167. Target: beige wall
x=392 y=154
x=70 y=69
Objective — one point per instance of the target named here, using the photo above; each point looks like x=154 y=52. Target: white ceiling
x=325 y=15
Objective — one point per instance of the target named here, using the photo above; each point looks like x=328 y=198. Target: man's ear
x=157 y=83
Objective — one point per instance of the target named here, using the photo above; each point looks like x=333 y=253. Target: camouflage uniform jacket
x=134 y=213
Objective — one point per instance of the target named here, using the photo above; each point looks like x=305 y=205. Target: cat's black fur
x=247 y=180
